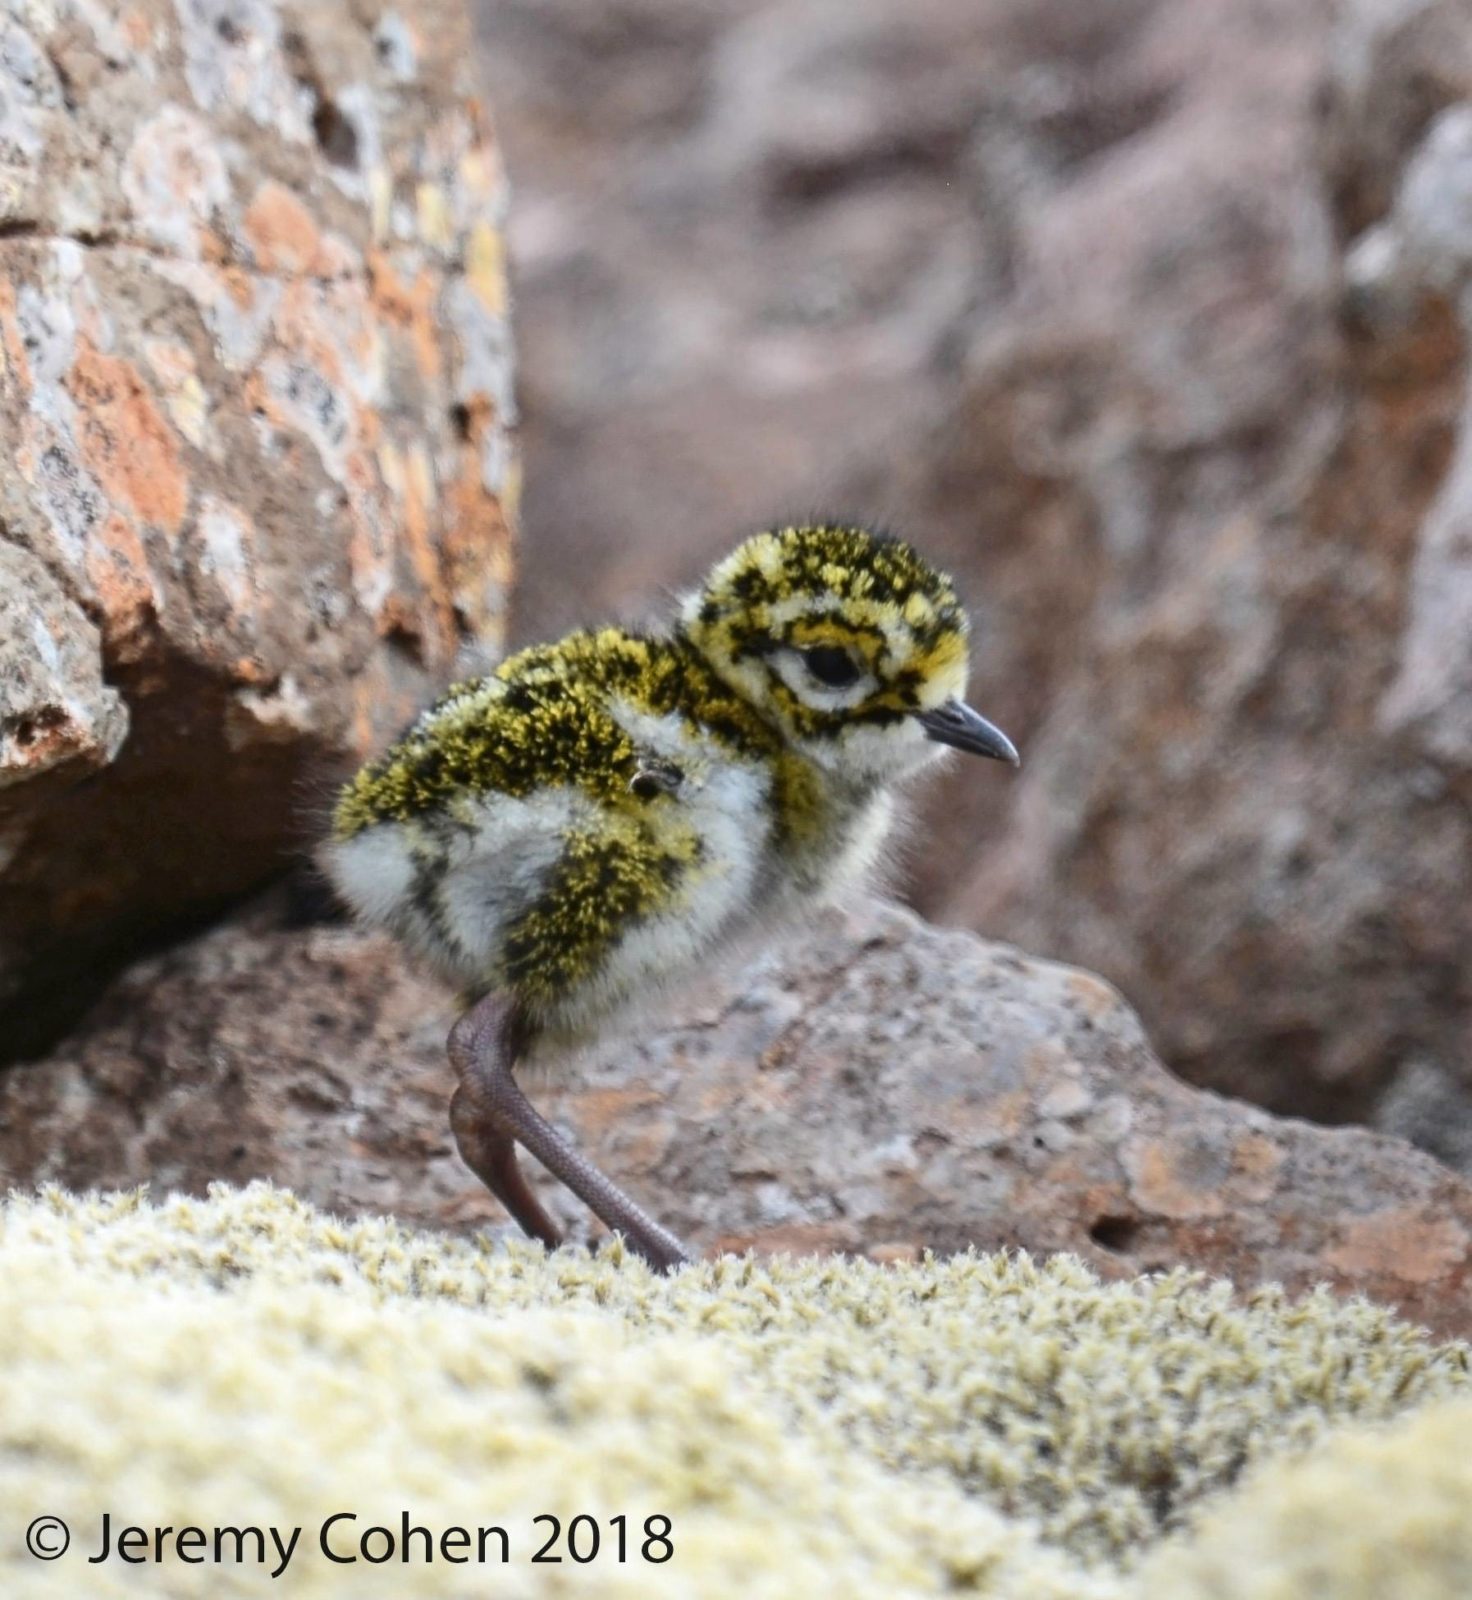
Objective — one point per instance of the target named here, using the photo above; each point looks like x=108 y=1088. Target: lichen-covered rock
x=1366 y=1515
x=59 y=715
x=983 y=1426
x=879 y=1086
x=254 y=395
x=1151 y=320
x=249 y=1362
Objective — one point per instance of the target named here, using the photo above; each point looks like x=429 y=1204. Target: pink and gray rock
x=254 y=398
x=1151 y=321
x=881 y=1086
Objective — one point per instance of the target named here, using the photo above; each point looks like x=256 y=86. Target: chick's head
x=849 y=642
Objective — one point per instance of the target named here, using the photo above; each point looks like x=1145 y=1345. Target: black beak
x=957 y=724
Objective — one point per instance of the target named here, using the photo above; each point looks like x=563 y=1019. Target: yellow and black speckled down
x=752 y=604
x=542 y=718
x=669 y=776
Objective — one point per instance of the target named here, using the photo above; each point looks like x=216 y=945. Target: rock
x=254 y=392
x=57 y=715
x=1151 y=323
x=1246 y=799
x=882 y=1087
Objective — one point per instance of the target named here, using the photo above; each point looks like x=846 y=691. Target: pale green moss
x=1382 y=1514
x=985 y=1425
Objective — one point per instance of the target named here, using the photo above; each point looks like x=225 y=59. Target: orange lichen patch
x=214 y=251
x=414 y=478
x=1404 y=1244
x=119 y=573
x=281 y=231
x=259 y=400
x=137 y=29
x=237 y=284
x=11 y=342
x=411 y=307
x=790 y=1238
x=337 y=258
x=1097 y=998
x=331 y=327
x=895 y=1252
x=1184 y=1178
x=479 y=418
x=387 y=289
x=368 y=423
x=125 y=440
x=428 y=356
x=250 y=670
x=475 y=548
x=1256 y=1162
x=399 y=617
x=419 y=499
x=347 y=303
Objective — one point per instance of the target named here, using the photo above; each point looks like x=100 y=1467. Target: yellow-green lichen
x=1370 y=1514
x=985 y=1425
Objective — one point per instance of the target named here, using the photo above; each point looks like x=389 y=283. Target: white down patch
x=725 y=800
x=495 y=870
x=491 y=874
x=503 y=867
x=373 y=871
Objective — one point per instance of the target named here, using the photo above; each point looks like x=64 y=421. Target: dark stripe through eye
x=831 y=665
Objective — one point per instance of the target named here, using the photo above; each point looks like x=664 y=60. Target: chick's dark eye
x=831 y=665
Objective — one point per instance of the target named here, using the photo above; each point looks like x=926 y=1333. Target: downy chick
x=599 y=816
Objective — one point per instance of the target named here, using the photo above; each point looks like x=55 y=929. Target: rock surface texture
x=1151 y=320
x=254 y=396
x=884 y=1088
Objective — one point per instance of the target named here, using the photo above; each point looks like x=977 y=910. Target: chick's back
x=512 y=838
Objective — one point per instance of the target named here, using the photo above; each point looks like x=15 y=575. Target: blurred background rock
x=1150 y=320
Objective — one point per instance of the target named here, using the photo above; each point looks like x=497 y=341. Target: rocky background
x=1149 y=321
x=254 y=389
x=882 y=1089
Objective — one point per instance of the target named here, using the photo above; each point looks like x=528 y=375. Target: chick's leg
x=490 y=1111
x=491 y=1156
